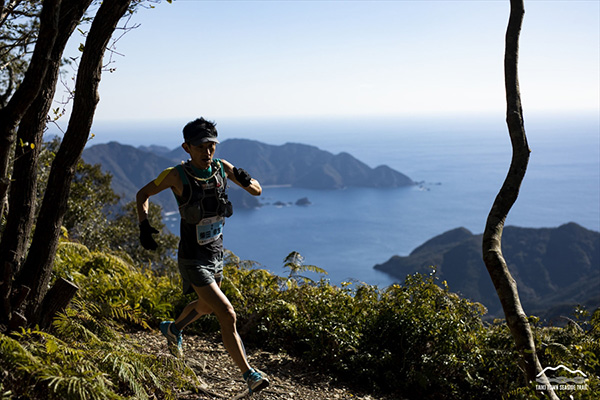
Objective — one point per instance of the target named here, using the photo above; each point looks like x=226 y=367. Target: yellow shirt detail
x=162 y=176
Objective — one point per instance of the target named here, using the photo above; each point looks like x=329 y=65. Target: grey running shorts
x=200 y=272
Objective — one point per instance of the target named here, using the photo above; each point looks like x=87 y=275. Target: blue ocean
x=458 y=162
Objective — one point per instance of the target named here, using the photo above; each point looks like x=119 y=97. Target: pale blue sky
x=335 y=58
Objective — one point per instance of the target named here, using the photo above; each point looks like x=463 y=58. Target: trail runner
x=199 y=186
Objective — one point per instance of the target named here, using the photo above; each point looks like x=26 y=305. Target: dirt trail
x=290 y=379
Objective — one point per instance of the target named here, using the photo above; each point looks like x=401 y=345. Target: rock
x=303 y=202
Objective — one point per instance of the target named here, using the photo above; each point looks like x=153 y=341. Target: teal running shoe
x=256 y=380
x=174 y=342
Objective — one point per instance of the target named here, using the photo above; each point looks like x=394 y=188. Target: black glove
x=242 y=176
x=146 y=232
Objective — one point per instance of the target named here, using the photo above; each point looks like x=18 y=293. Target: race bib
x=209 y=229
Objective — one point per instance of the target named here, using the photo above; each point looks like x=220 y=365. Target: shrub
x=418 y=340
x=78 y=363
x=117 y=288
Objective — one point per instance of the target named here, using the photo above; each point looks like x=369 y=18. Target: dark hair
x=200 y=127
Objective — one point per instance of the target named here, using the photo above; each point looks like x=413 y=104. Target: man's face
x=202 y=154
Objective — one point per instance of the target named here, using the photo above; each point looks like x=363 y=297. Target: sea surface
x=458 y=162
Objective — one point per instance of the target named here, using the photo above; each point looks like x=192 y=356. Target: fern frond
x=5 y=394
x=14 y=355
x=313 y=268
x=558 y=351
x=127 y=313
x=71 y=327
x=295 y=262
x=91 y=385
x=73 y=248
x=139 y=371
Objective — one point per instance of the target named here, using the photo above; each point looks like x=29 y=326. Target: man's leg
x=191 y=313
x=172 y=329
x=213 y=298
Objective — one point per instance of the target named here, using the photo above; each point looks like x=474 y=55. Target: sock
x=247 y=373
x=185 y=321
x=174 y=330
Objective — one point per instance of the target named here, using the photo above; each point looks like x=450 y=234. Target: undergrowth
x=417 y=340
x=86 y=354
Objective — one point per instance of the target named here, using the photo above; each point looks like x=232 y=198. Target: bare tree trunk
x=28 y=89
x=11 y=115
x=38 y=267
x=31 y=128
x=504 y=283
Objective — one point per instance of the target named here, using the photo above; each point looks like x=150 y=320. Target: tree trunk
x=11 y=115
x=492 y=253
x=57 y=299
x=24 y=182
x=38 y=266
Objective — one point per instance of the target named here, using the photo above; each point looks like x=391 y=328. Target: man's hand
x=242 y=176
x=146 y=232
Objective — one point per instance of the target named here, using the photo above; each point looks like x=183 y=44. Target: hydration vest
x=203 y=198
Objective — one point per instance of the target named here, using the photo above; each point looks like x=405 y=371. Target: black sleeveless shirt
x=203 y=206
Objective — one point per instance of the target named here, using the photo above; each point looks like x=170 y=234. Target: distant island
x=303 y=202
x=291 y=164
x=555 y=268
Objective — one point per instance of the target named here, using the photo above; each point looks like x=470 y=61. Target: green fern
x=85 y=384
x=125 y=312
x=417 y=339
x=130 y=371
x=5 y=394
x=83 y=362
x=295 y=263
x=558 y=352
x=78 y=324
x=523 y=393
x=14 y=355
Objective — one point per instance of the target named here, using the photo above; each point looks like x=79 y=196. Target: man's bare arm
x=168 y=179
x=254 y=188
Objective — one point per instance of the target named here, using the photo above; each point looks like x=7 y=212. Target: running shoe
x=174 y=342
x=256 y=380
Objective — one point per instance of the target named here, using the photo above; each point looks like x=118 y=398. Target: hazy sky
x=336 y=58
